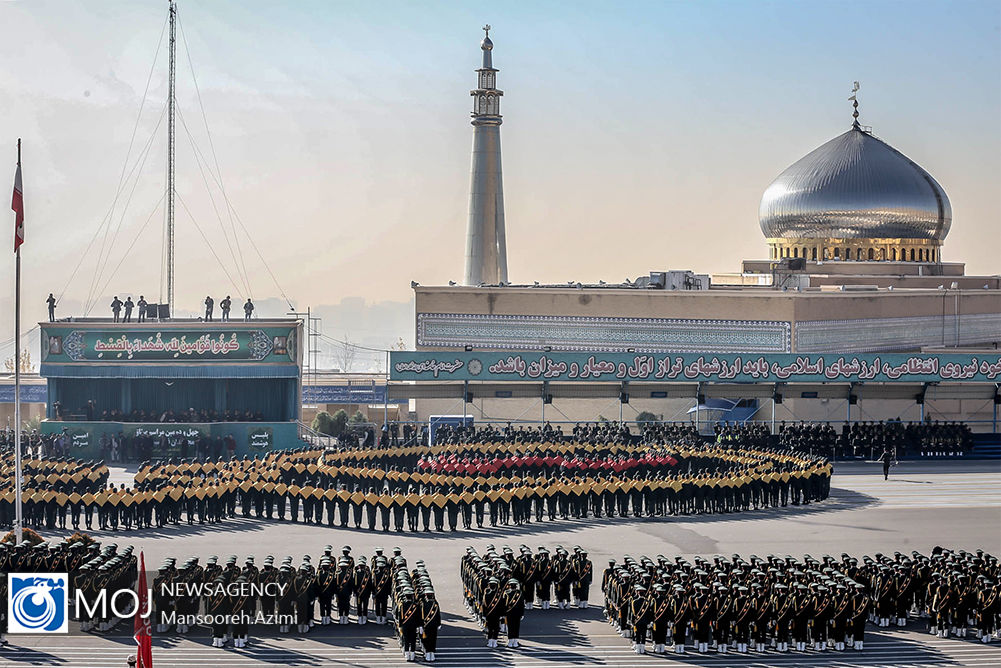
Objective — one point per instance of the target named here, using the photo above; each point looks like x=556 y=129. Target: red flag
x=144 y=656
x=17 y=204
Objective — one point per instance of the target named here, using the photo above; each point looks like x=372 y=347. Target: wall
x=978 y=413
x=751 y=320
x=284 y=434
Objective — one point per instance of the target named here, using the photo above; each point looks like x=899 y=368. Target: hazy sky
x=637 y=135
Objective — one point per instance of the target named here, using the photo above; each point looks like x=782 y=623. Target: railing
x=315 y=438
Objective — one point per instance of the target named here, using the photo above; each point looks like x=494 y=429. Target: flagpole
x=18 y=474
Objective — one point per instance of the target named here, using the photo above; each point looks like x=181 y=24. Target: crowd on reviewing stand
x=90 y=413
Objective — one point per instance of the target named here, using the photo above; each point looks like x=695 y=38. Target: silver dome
x=855 y=187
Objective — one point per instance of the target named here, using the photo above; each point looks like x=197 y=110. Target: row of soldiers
x=930 y=438
x=229 y=598
x=60 y=471
x=711 y=479
x=581 y=432
x=282 y=595
x=89 y=566
x=772 y=602
x=499 y=587
x=416 y=609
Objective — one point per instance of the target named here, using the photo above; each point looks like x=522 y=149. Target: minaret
x=486 y=250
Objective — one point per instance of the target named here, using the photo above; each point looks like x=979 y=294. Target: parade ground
x=953 y=504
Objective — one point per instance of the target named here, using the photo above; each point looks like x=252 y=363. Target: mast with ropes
x=170 y=160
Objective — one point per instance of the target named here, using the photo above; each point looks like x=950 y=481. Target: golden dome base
x=856 y=250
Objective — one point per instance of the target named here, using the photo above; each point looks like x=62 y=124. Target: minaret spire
x=486 y=248
x=854 y=99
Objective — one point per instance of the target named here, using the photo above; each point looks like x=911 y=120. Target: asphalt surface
x=923 y=504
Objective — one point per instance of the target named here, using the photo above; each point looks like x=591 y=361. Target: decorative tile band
x=885 y=334
x=578 y=333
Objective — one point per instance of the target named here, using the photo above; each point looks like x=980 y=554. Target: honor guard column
x=486 y=250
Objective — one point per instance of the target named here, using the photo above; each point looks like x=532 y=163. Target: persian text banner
x=116 y=346
x=618 y=367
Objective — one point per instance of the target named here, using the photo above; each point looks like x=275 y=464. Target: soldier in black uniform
x=362 y=585
x=492 y=606
x=304 y=593
x=218 y=607
x=242 y=607
x=381 y=585
x=408 y=620
x=430 y=617
x=286 y=597
x=344 y=587
x=514 y=610
x=268 y=579
x=583 y=572
x=325 y=589
x=641 y=614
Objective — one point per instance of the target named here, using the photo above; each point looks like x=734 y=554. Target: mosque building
x=854 y=233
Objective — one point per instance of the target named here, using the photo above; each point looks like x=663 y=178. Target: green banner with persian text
x=275 y=345
x=728 y=368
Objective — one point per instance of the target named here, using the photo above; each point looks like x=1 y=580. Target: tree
x=359 y=417
x=331 y=425
x=338 y=423
x=26 y=366
x=321 y=423
x=345 y=355
x=647 y=416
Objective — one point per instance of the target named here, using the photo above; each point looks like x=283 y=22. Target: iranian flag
x=142 y=630
x=17 y=204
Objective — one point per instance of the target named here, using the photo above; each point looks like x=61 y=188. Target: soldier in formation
x=412 y=488
x=782 y=602
x=418 y=615
x=498 y=587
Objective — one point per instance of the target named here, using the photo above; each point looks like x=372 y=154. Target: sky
x=637 y=136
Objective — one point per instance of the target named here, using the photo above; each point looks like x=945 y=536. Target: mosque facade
x=854 y=232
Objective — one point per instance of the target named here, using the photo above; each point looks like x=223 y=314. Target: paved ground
x=923 y=504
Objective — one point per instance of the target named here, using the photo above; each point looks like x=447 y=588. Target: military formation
x=337 y=590
x=499 y=587
x=782 y=603
x=230 y=597
x=89 y=566
x=53 y=491
x=417 y=611
x=415 y=488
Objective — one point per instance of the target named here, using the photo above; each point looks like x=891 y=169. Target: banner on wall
x=260 y=438
x=346 y=394
x=639 y=367
x=266 y=345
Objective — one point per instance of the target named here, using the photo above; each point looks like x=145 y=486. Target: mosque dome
x=859 y=189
